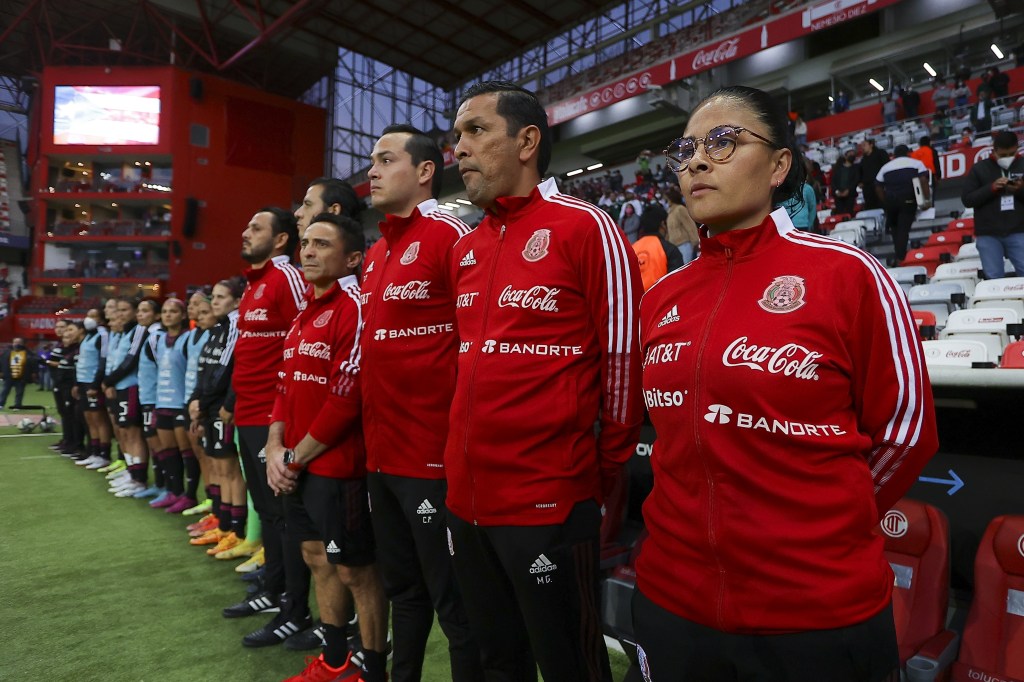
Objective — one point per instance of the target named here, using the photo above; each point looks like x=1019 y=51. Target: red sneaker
x=318 y=671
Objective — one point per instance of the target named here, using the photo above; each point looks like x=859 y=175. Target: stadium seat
x=936 y=298
x=967 y=252
x=993 y=637
x=930 y=256
x=964 y=273
x=946 y=238
x=954 y=353
x=1013 y=355
x=962 y=223
x=876 y=215
x=1007 y=292
x=907 y=276
x=925 y=321
x=917 y=548
x=851 y=232
x=830 y=222
x=986 y=325
x=1003 y=116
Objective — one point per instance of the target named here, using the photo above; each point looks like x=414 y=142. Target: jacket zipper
x=472 y=371
x=376 y=306
x=698 y=375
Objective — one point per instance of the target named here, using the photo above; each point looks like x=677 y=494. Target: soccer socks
x=213 y=494
x=174 y=469
x=104 y=451
x=375 y=664
x=335 y=645
x=136 y=468
x=191 y=473
x=238 y=514
x=159 y=476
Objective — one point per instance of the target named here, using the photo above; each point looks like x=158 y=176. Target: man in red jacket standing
x=410 y=346
x=315 y=452
x=547 y=291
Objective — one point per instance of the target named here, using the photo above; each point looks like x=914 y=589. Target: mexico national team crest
x=784 y=295
x=324 y=318
x=410 y=253
x=259 y=291
x=537 y=247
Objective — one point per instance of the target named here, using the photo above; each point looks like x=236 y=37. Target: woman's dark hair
x=129 y=300
x=768 y=112
x=673 y=194
x=154 y=306
x=235 y=286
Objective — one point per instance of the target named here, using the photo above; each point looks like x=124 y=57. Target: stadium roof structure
x=282 y=46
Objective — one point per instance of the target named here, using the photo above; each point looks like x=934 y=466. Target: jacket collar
x=506 y=208
x=740 y=244
x=254 y=274
x=393 y=227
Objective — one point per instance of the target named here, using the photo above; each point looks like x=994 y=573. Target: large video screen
x=106 y=115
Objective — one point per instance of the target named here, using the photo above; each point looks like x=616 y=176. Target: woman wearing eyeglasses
x=783 y=374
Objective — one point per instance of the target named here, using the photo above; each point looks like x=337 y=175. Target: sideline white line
x=37 y=457
x=28 y=435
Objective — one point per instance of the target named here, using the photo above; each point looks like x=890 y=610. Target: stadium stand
x=936 y=298
x=955 y=353
x=1007 y=292
x=1013 y=355
x=987 y=326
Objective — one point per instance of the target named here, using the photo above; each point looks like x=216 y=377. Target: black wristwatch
x=289 y=460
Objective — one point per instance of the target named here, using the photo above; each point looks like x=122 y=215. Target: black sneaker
x=254 y=576
x=262 y=602
x=278 y=630
x=312 y=638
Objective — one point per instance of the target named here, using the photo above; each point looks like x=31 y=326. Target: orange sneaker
x=318 y=671
x=210 y=537
x=226 y=542
x=208 y=522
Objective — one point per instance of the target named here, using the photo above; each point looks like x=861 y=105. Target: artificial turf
x=98 y=588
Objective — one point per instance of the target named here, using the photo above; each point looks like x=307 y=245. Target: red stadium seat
x=961 y=224
x=1013 y=355
x=833 y=220
x=931 y=256
x=993 y=641
x=917 y=547
x=925 y=321
x=956 y=237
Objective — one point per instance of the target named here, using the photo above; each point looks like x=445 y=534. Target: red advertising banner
x=33 y=325
x=788 y=27
x=957 y=163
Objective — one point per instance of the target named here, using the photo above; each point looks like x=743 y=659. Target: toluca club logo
x=895 y=524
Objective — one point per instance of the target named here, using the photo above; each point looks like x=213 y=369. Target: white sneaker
x=98 y=464
x=120 y=485
x=92 y=459
x=130 y=489
x=119 y=476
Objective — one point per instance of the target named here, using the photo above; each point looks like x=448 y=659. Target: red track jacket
x=785 y=379
x=319 y=388
x=547 y=291
x=265 y=313
x=409 y=343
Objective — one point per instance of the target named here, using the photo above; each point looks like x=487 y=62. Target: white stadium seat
x=905 y=275
x=986 y=325
x=959 y=272
x=1007 y=292
x=954 y=353
x=967 y=251
x=935 y=298
x=851 y=232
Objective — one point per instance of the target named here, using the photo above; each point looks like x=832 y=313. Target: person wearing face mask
x=995 y=190
x=845 y=176
x=17 y=363
x=90 y=368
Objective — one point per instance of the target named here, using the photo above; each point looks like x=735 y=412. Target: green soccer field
x=98 y=588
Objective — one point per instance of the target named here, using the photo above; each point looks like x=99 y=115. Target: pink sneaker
x=165 y=500
x=181 y=504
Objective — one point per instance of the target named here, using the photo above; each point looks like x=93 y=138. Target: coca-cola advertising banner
x=750 y=41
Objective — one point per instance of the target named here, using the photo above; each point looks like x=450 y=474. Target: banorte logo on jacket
x=784 y=295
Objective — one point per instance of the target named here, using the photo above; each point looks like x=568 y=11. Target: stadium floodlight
x=574 y=172
x=930 y=70
x=467 y=202
x=876 y=85
x=997 y=52
x=831 y=98
x=595 y=166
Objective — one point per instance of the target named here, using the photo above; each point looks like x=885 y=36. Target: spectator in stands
x=911 y=100
x=17 y=364
x=981 y=113
x=716 y=587
x=927 y=155
x=800 y=131
x=803 y=208
x=845 y=177
x=941 y=125
x=890 y=108
x=871 y=161
x=629 y=221
x=966 y=140
x=842 y=102
x=995 y=190
x=682 y=231
x=656 y=255
x=617 y=180
x=896 y=189
x=941 y=96
x=643 y=162
x=961 y=95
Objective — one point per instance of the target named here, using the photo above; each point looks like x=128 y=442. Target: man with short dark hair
x=872 y=159
x=327 y=195
x=547 y=291
x=845 y=176
x=273 y=293
x=895 y=188
x=410 y=346
x=995 y=190
x=315 y=452
x=656 y=255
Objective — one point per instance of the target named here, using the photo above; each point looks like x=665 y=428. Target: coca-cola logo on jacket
x=413 y=290
x=535 y=298
x=790 y=359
